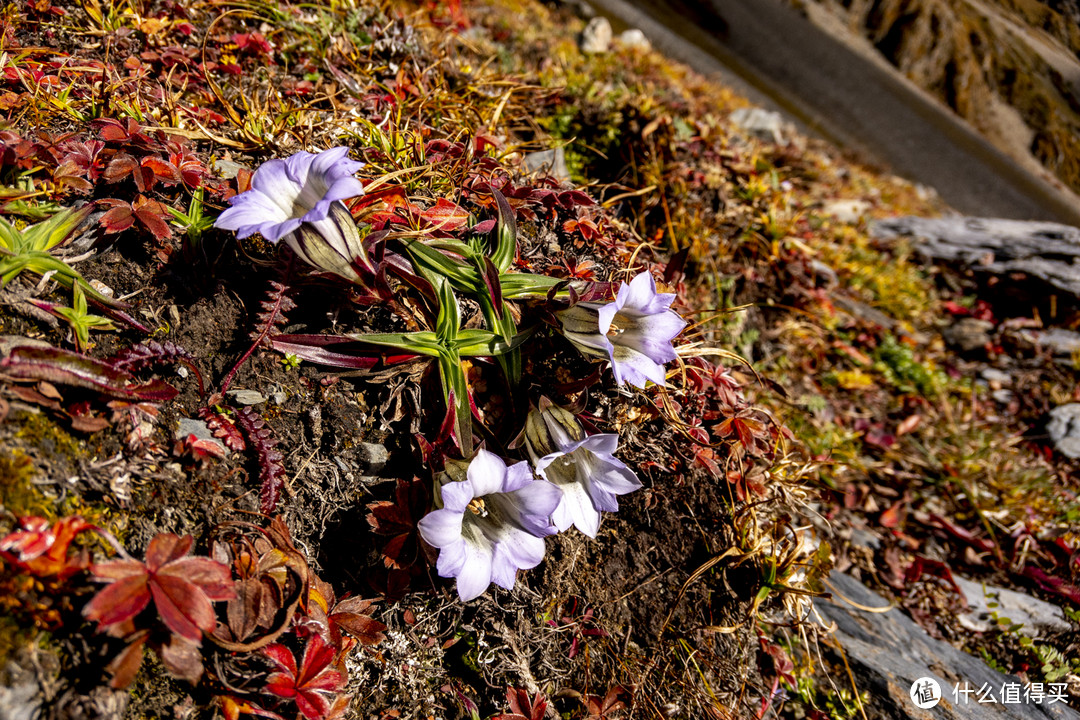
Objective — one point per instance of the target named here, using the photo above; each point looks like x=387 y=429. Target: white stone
x=634 y=38
x=596 y=38
x=846 y=211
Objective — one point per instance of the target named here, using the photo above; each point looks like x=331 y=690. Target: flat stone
x=596 y=37
x=1064 y=429
x=1036 y=617
x=757 y=122
x=247 y=397
x=227 y=169
x=551 y=162
x=824 y=275
x=1057 y=340
x=993 y=375
x=1047 y=251
x=968 y=333
x=372 y=457
x=888 y=654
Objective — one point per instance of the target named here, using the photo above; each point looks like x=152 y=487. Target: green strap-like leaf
x=448 y=322
x=484 y=343
x=421 y=343
x=516 y=286
x=505 y=235
x=425 y=257
x=456 y=386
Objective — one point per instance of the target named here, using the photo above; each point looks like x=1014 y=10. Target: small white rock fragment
x=596 y=37
x=634 y=38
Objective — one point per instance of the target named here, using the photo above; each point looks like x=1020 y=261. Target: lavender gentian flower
x=491 y=524
x=582 y=466
x=634 y=332
x=298 y=200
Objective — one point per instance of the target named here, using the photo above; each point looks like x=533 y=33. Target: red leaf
x=119 y=602
x=183 y=609
x=165 y=548
x=162 y=170
x=892 y=516
x=120 y=167
x=124 y=666
x=314 y=678
x=524 y=707
x=42 y=550
x=181 y=587
x=117 y=219
x=152 y=215
x=445 y=215
x=365 y=629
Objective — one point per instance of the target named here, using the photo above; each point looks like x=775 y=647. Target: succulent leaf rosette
x=299 y=200
x=634 y=332
x=582 y=466
x=491 y=525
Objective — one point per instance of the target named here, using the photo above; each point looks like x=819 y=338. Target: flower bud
x=549 y=428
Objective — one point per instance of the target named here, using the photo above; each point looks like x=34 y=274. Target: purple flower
x=634 y=332
x=299 y=200
x=491 y=524
x=582 y=466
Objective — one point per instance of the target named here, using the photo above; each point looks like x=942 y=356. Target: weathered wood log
x=1047 y=251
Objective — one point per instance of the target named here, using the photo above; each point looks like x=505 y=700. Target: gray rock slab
x=888 y=653
x=247 y=397
x=1044 y=250
x=1064 y=429
x=968 y=333
x=634 y=38
x=372 y=457
x=1057 y=340
x=1036 y=617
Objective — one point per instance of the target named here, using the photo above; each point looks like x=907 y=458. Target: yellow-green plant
x=31 y=249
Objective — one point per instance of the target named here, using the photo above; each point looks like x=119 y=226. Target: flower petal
x=451 y=559
x=441 y=527
x=576 y=508
x=475 y=574
x=456 y=496
x=486 y=473
x=635 y=368
x=640 y=297
x=276 y=181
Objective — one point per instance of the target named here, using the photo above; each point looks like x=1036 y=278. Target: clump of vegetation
x=413 y=359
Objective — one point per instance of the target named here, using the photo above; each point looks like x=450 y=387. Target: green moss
x=897 y=362
x=18 y=495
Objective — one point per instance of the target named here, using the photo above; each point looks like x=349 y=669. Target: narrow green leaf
x=484 y=343
x=462 y=277
x=448 y=323
x=456 y=390
x=521 y=285
x=505 y=234
x=421 y=343
x=455 y=246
